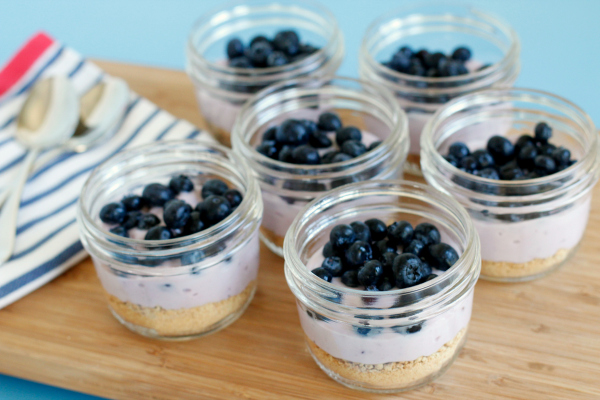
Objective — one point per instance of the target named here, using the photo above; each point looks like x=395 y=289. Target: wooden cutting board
x=533 y=340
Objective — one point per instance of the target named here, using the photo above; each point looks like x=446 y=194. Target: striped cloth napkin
x=47 y=241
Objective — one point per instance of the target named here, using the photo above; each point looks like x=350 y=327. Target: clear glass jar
x=221 y=90
x=184 y=287
x=393 y=340
x=438 y=27
x=287 y=188
x=528 y=228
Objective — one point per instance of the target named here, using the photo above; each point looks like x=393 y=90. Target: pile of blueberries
x=298 y=141
x=285 y=48
x=179 y=217
x=431 y=65
x=529 y=158
x=367 y=254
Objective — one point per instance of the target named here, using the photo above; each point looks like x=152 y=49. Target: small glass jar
x=393 y=340
x=438 y=28
x=221 y=90
x=287 y=188
x=528 y=228
x=184 y=287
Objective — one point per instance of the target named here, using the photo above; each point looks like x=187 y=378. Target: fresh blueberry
x=307 y=49
x=286 y=154
x=177 y=213
x=422 y=55
x=350 y=278
x=319 y=140
x=327 y=158
x=119 y=231
x=259 y=52
x=546 y=149
x=469 y=164
x=409 y=270
x=441 y=256
x=192 y=257
x=544 y=165
x=408 y=52
x=194 y=223
x=385 y=284
x=333 y=265
x=214 y=209
x=131 y=219
x=342 y=236
x=416 y=68
x=405 y=330
x=452 y=68
x=341 y=157
x=259 y=38
x=459 y=150
x=235 y=48
x=501 y=149
x=483 y=158
x=158 y=233
x=362 y=231
x=399 y=62
x=430 y=277
x=366 y=330
x=489 y=173
x=400 y=232
x=385 y=246
x=148 y=221
x=415 y=247
x=157 y=194
x=543 y=132
x=427 y=233
x=234 y=197
x=240 y=62
x=268 y=148
x=328 y=250
x=511 y=172
x=323 y=274
x=370 y=273
x=358 y=253
x=292 y=132
x=378 y=229
x=561 y=156
x=329 y=122
x=523 y=141
x=374 y=145
x=270 y=134
x=177 y=232
x=213 y=187
x=347 y=133
x=353 y=148
x=287 y=42
x=435 y=60
x=387 y=260
x=526 y=156
x=452 y=160
x=310 y=126
x=180 y=184
x=306 y=154
x=113 y=213
x=277 y=59
x=133 y=202
x=461 y=54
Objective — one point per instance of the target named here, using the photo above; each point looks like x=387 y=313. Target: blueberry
x=319 y=140
x=370 y=273
x=306 y=154
x=415 y=247
x=267 y=148
x=240 y=62
x=358 y=253
x=307 y=49
x=176 y=214
x=287 y=42
x=430 y=277
x=400 y=232
x=119 y=231
x=328 y=250
x=501 y=149
x=561 y=156
x=292 y=132
x=286 y=154
x=350 y=278
x=361 y=230
x=158 y=233
x=177 y=232
x=483 y=158
x=409 y=270
x=416 y=68
x=461 y=54
x=385 y=246
x=387 y=260
x=399 y=62
x=367 y=331
x=511 y=172
x=333 y=265
x=214 y=209
x=469 y=164
x=259 y=52
x=544 y=165
x=385 y=285
x=194 y=223
x=422 y=55
x=192 y=257
x=441 y=256
x=258 y=39
x=347 y=133
x=543 y=132
x=131 y=219
x=133 y=202
x=310 y=126
x=329 y=122
x=157 y=194
x=147 y=221
x=180 y=184
x=524 y=141
x=213 y=187
x=378 y=229
x=270 y=134
x=452 y=160
x=459 y=150
x=452 y=68
x=489 y=173
x=235 y=48
x=526 y=156
x=435 y=60
x=234 y=197
x=323 y=274
x=427 y=233
x=342 y=236
x=277 y=59
x=546 y=149
x=374 y=145
x=341 y=157
x=408 y=52
x=113 y=213
x=353 y=148
x=405 y=330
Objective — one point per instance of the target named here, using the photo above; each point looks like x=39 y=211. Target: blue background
x=559 y=38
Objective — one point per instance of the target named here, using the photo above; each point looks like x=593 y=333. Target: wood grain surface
x=538 y=340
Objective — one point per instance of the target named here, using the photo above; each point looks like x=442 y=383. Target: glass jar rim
x=586 y=167
x=397 y=135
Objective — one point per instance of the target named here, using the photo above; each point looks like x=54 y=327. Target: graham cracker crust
x=393 y=375
x=499 y=269
x=273 y=241
x=183 y=321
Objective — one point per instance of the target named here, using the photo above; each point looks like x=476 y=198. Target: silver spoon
x=48 y=119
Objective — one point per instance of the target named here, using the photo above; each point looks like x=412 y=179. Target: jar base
x=273 y=241
x=182 y=324
x=390 y=377
x=498 y=271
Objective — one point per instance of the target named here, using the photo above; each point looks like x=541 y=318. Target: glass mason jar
x=383 y=341
x=221 y=90
x=438 y=27
x=528 y=228
x=184 y=287
x=287 y=188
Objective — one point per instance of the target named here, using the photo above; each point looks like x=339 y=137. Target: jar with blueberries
x=244 y=46
x=523 y=163
x=430 y=54
x=383 y=273
x=302 y=138
x=172 y=229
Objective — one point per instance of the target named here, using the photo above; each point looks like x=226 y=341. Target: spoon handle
x=8 y=214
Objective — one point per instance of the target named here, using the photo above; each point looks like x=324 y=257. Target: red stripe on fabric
x=23 y=60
